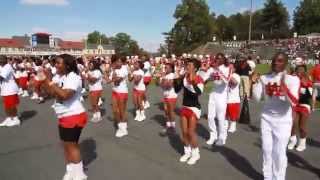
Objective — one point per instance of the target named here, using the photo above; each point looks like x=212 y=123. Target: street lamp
x=250 y=22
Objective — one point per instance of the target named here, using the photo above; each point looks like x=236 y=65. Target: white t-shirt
x=122 y=86
x=147 y=68
x=96 y=86
x=8 y=84
x=140 y=86
x=169 y=93
x=220 y=77
x=72 y=106
x=234 y=90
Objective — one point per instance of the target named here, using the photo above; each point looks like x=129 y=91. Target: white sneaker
x=122 y=130
x=146 y=104
x=233 y=127
x=292 y=142
x=96 y=117
x=187 y=154
x=81 y=176
x=212 y=139
x=20 y=92
x=221 y=142
x=34 y=96
x=67 y=176
x=142 y=116
x=81 y=99
x=137 y=115
x=25 y=93
x=100 y=102
x=302 y=145
x=14 y=122
x=195 y=156
x=5 y=122
x=121 y=133
x=83 y=90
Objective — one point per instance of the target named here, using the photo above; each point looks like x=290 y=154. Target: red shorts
x=188 y=113
x=121 y=96
x=10 y=101
x=147 y=80
x=78 y=120
x=302 y=109
x=169 y=100
x=233 y=111
x=96 y=93
x=138 y=92
x=23 y=82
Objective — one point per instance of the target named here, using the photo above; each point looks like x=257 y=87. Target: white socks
x=191 y=155
x=170 y=124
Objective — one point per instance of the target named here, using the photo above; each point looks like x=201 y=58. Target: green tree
x=194 y=26
x=96 y=38
x=275 y=19
x=307 y=17
x=124 y=45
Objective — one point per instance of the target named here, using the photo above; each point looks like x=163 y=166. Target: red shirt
x=315 y=73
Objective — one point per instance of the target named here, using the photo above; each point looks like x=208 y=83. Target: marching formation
x=289 y=98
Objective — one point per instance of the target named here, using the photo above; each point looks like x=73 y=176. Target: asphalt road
x=32 y=151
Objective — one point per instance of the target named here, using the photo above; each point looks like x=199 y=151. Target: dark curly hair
x=69 y=63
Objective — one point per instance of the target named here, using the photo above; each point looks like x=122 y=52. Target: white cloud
x=45 y=2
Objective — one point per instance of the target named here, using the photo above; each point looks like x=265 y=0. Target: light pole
x=250 y=22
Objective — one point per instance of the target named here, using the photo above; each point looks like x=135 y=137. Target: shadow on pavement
x=88 y=151
x=314 y=143
x=238 y=161
x=26 y=115
x=174 y=138
x=299 y=162
x=202 y=132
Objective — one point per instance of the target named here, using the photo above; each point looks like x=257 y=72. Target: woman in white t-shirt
x=94 y=77
x=147 y=80
x=233 y=102
x=118 y=77
x=9 y=93
x=169 y=98
x=138 y=90
x=71 y=114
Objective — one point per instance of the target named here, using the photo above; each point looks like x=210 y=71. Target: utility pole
x=250 y=22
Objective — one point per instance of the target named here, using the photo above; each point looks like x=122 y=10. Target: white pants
x=275 y=133
x=217 y=109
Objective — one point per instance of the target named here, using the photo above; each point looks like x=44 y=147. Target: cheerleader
x=138 y=90
x=147 y=80
x=23 y=80
x=169 y=98
x=191 y=111
x=94 y=78
x=302 y=110
x=119 y=94
x=37 y=69
x=315 y=77
x=9 y=93
x=70 y=112
x=280 y=93
x=220 y=76
x=233 y=102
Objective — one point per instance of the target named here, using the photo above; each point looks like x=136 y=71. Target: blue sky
x=144 y=20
